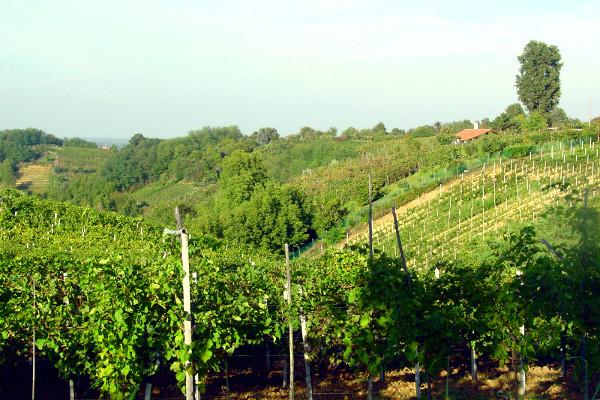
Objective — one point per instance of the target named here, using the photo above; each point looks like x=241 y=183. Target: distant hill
x=328 y=173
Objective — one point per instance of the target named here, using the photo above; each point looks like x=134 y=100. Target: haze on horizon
x=112 y=69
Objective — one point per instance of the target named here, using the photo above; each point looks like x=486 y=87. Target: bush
x=335 y=235
x=516 y=151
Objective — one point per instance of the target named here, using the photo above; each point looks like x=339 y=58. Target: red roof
x=468 y=134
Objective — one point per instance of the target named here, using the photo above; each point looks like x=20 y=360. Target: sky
x=111 y=69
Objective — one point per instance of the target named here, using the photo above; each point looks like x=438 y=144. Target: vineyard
x=99 y=295
x=486 y=201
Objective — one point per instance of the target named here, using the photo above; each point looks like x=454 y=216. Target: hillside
x=325 y=178
x=34 y=178
x=101 y=284
x=107 y=288
x=485 y=201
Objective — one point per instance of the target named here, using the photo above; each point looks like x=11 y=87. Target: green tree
x=136 y=139
x=559 y=117
x=422 y=131
x=509 y=119
x=536 y=121
x=306 y=132
x=266 y=135
x=329 y=211
x=8 y=172
x=514 y=109
x=379 y=128
x=350 y=133
x=242 y=173
x=502 y=122
x=445 y=135
x=79 y=142
x=398 y=132
x=538 y=82
x=273 y=216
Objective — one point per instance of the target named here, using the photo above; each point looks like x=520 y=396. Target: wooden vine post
x=290 y=327
x=187 y=304
x=370 y=217
x=473 y=364
x=71 y=383
x=583 y=313
x=370 y=379
x=309 y=393
x=409 y=283
x=33 y=346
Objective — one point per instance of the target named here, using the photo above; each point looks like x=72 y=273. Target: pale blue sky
x=114 y=68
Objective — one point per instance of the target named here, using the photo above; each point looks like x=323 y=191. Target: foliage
x=291 y=157
x=503 y=122
x=110 y=309
x=516 y=151
x=123 y=309
x=353 y=302
x=536 y=121
x=538 y=82
x=379 y=128
x=254 y=210
x=446 y=138
x=8 y=172
x=242 y=173
x=328 y=213
x=144 y=161
x=266 y=135
x=422 y=131
x=571 y=229
x=132 y=164
x=20 y=144
x=273 y=216
x=558 y=117
x=78 y=142
x=514 y=110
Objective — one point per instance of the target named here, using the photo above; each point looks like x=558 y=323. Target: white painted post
x=148 y=393
x=473 y=364
x=187 y=304
x=417 y=379
x=33 y=348
x=71 y=386
x=187 y=308
x=290 y=326
x=522 y=382
x=306 y=357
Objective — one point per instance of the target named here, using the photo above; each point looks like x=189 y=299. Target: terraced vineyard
x=34 y=177
x=481 y=203
x=58 y=165
x=78 y=161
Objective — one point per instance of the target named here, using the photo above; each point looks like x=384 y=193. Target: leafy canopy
x=538 y=82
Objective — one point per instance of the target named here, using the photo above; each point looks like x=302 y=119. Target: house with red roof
x=469 y=134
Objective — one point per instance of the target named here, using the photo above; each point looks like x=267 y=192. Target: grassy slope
x=339 y=178
x=58 y=164
x=439 y=222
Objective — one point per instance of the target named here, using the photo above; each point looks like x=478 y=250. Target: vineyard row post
x=305 y=346
x=288 y=296
x=370 y=378
x=33 y=346
x=71 y=383
x=187 y=308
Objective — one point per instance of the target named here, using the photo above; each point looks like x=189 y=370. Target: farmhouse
x=469 y=134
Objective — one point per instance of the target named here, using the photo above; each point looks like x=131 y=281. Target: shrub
x=516 y=151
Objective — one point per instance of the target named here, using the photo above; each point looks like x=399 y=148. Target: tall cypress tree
x=538 y=82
